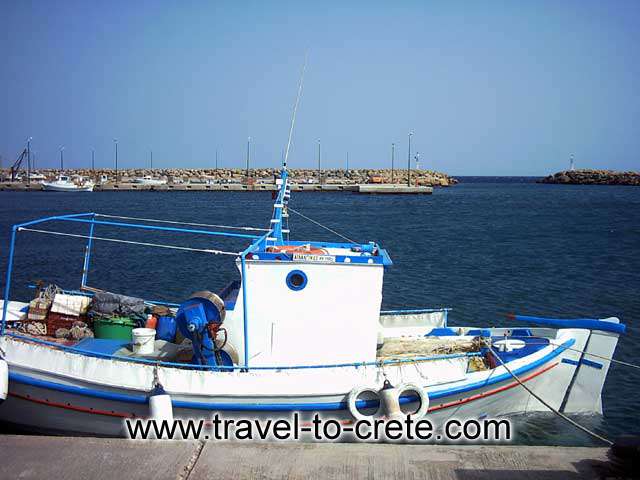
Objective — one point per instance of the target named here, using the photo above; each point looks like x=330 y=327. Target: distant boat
x=149 y=180
x=64 y=184
x=37 y=177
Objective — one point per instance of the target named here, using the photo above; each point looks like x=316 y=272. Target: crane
x=15 y=168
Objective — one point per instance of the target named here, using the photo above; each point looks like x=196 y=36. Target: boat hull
x=52 y=187
x=45 y=409
x=44 y=400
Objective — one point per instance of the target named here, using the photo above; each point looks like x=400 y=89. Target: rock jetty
x=260 y=175
x=593 y=177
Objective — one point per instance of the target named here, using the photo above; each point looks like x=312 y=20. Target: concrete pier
x=393 y=189
x=30 y=457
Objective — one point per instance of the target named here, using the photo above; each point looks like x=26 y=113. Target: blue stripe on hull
x=278 y=407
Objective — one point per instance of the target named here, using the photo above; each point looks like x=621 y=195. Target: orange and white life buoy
x=306 y=249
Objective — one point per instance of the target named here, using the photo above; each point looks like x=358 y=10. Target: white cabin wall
x=334 y=319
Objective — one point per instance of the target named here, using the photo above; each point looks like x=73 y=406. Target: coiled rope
x=131 y=242
x=560 y=414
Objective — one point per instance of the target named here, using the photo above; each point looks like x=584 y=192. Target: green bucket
x=116 y=328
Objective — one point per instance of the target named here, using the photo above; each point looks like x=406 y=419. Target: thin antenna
x=295 y=109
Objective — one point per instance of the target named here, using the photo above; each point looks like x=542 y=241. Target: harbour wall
x=235 y=187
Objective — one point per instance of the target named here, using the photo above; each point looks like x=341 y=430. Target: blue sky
x=488 y=88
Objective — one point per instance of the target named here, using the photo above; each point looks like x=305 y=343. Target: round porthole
x=296 y=280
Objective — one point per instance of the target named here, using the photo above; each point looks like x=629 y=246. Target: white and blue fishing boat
x=302 y=330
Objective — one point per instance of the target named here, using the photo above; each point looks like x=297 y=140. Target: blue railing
x=90 y=218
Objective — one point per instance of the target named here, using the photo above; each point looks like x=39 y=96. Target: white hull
x=53 y=390
x=62 y=187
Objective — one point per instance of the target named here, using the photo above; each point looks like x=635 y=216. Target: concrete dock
x=29 y=457
x=236 y=187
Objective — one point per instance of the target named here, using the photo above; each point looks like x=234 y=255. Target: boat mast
x=282 y=199
x=295 y=109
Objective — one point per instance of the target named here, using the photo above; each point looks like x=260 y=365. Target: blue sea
x=486 y=247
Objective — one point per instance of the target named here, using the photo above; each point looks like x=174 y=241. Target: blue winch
x=200 y=320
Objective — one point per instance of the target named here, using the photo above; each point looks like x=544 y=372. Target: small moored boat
x=64 y=183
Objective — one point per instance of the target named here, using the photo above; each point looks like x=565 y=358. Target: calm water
x=484 y=249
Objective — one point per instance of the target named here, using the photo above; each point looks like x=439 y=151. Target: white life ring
x=422 y=396
x=353 y=398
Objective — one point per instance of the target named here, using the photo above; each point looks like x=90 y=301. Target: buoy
x=353 y=397
x=4 y=379
x=160 y=406
x=390 y=399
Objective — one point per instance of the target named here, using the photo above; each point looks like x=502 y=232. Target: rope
x=560 y=414
x=231 y=227
x=116 y=240
x=323 y=226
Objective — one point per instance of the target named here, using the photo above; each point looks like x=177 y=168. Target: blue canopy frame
x=273 y=236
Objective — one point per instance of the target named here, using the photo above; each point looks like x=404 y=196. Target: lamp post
x=115 y=141
x=29 y=160
x=393 y=155
x=248 y=146
x=409 y=162
x=319 y=174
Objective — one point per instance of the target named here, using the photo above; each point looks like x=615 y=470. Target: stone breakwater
x=263 y=175
x=593 y=177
